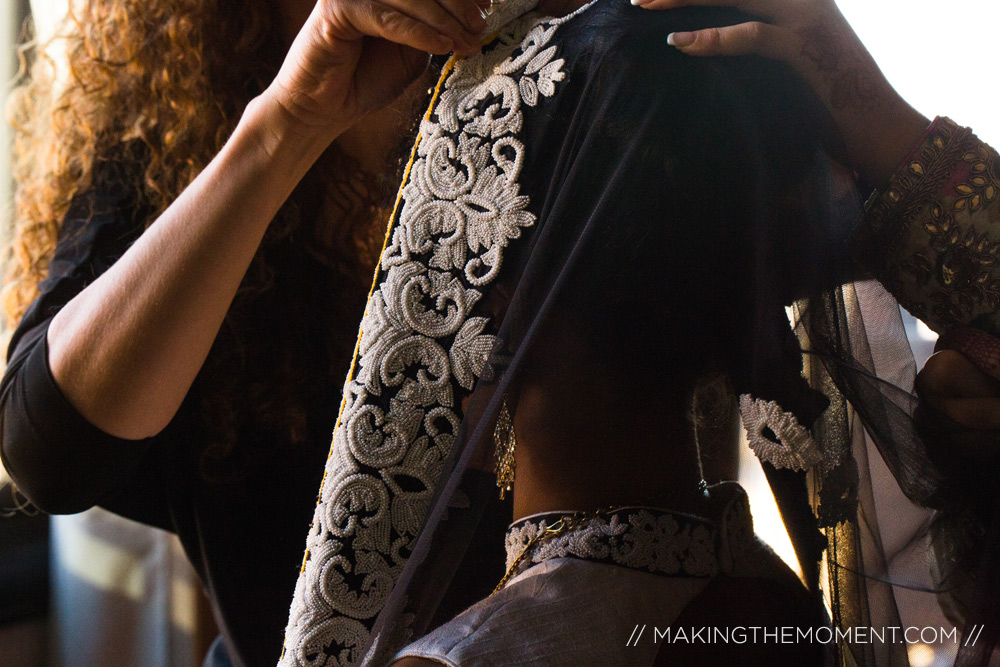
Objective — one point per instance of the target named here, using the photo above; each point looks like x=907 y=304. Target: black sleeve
x=58 y=459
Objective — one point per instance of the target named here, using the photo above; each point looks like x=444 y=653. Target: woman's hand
x=879 y=128
x=779 y=34
x=354 y=56
x=956 y=388
x=126 y=349
x=954 y=385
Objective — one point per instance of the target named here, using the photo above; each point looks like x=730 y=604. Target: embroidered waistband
x=650 y=539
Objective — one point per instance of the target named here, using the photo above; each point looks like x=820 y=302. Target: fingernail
x=680 y=39
x=639 y=3
x=475 y=21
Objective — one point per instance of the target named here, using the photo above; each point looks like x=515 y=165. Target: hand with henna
x=880 y=131
x=879 y=128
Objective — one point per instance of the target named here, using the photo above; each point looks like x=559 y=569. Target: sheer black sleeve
x=58 y=459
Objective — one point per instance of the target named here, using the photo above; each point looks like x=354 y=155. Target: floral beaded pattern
x=423 y=342
x=933 y=236
x=644 y=539
x=649 y=539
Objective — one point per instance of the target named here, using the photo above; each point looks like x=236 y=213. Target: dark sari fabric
x=649 y=217
x=585 y=202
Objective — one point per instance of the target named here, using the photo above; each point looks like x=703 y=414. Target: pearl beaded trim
x=792 y=445
x=649 y=539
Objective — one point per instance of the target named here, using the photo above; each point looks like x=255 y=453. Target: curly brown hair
x=173 y=77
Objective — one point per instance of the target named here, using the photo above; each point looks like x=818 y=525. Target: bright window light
x=937 y=55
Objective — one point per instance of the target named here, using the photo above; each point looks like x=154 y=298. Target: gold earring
x=506 y=443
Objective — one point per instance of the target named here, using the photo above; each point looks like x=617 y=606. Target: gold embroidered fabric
x=932 y=236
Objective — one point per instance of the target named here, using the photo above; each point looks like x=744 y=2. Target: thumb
x=753 y=38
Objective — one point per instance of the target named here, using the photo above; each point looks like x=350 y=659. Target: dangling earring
x=506 y=443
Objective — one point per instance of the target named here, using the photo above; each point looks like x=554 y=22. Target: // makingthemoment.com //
x=795 y=635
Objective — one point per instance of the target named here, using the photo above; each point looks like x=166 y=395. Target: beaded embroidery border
x=648 y=539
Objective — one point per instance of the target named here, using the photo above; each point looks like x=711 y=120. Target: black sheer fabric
x=594 y=223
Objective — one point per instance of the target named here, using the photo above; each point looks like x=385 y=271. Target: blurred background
x=96 y=590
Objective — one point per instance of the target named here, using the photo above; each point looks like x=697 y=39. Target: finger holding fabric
x=961 y=381
x=774 y=35
x=812 y=36
x=354 y=56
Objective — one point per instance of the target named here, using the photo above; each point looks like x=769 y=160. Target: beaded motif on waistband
x=648 y=539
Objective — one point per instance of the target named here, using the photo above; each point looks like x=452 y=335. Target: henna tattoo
x=853 y=78
x=821 y=47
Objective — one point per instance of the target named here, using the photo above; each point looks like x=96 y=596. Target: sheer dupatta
x=582 y=198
